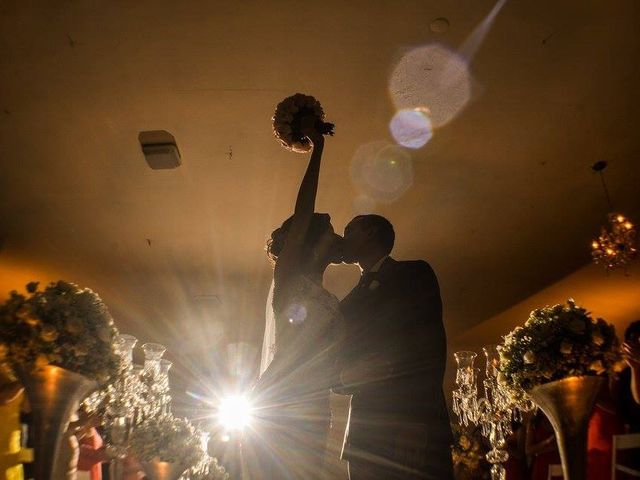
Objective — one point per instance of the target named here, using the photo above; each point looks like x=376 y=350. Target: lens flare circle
x=381 y=171
x=433 y=78
x=411 y=128
x=363 y=204
x=234 y=413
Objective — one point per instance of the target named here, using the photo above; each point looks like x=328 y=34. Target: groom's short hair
x=382 y=228
x=632 y=333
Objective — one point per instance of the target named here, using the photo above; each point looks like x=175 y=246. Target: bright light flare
x=234 y=413
x=411 y=128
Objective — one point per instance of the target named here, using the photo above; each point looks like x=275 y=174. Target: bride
x=292 y=395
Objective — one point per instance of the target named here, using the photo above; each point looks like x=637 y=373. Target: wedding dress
x=269 y=338
x=297 y=372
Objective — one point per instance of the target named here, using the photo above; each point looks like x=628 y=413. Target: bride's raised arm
x=291 y=258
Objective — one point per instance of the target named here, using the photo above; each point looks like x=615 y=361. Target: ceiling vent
x=160 y=149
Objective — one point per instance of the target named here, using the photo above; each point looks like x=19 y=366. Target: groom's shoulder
x=417 y=267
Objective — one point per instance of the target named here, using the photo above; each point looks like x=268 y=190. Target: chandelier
x=616 y=246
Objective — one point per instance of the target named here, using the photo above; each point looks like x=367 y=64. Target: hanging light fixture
x=616 y=245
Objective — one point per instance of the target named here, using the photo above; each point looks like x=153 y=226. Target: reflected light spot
x=297 y=313
x=432 y=78
x=381 y=172
x=411 y=128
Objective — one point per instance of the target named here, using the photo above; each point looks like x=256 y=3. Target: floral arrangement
x=169 y=439
x=557 y=342
x=62 y=325
x=468 y=452
x=209 y=469
x=288 y=117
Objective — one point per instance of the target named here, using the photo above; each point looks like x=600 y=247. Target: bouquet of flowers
x=168 y=439
x=287 y=121
x=62 y=325
x=557 y=342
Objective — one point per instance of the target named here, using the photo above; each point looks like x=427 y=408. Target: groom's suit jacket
x=397 y=313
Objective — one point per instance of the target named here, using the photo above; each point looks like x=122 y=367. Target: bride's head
x=322 y=245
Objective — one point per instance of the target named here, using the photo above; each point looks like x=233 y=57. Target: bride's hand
x=309 y=130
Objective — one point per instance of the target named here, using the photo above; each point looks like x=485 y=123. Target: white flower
x=104 y=334
x=577 y=325
x=49 y=333
x=596 y=366
x=566 y=348
x=597 y=339
x=42 y=361
x=80 y=350
x=74 y=325
x=505 y=356
x=529 y=357
x=619 y=366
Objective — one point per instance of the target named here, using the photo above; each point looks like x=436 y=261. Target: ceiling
x=502 y=201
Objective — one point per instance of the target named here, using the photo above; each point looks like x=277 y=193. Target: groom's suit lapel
x=362 y=299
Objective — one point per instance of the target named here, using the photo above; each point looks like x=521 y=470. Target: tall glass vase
x=54 y=394
x=151 y=375
x=463 y=396
x=568 y=404
x=163 y=386
x=125 y=344
x=152 y=354
x=120 y=412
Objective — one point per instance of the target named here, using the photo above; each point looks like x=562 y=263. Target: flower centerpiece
x=59 y=341
x=166 y=443
x=557 y=342
x=64 y=326
x=558 y=359
x=287 y=121
x=207 y=469
x=469 y=453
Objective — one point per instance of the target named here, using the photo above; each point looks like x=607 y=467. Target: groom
x=393 y=361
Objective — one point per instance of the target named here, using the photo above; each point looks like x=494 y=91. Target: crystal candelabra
x=494 y=412
x=137 y=393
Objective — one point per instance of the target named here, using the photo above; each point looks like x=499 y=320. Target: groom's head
x=367 y=237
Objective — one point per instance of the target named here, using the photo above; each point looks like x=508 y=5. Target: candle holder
x=494 y=412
